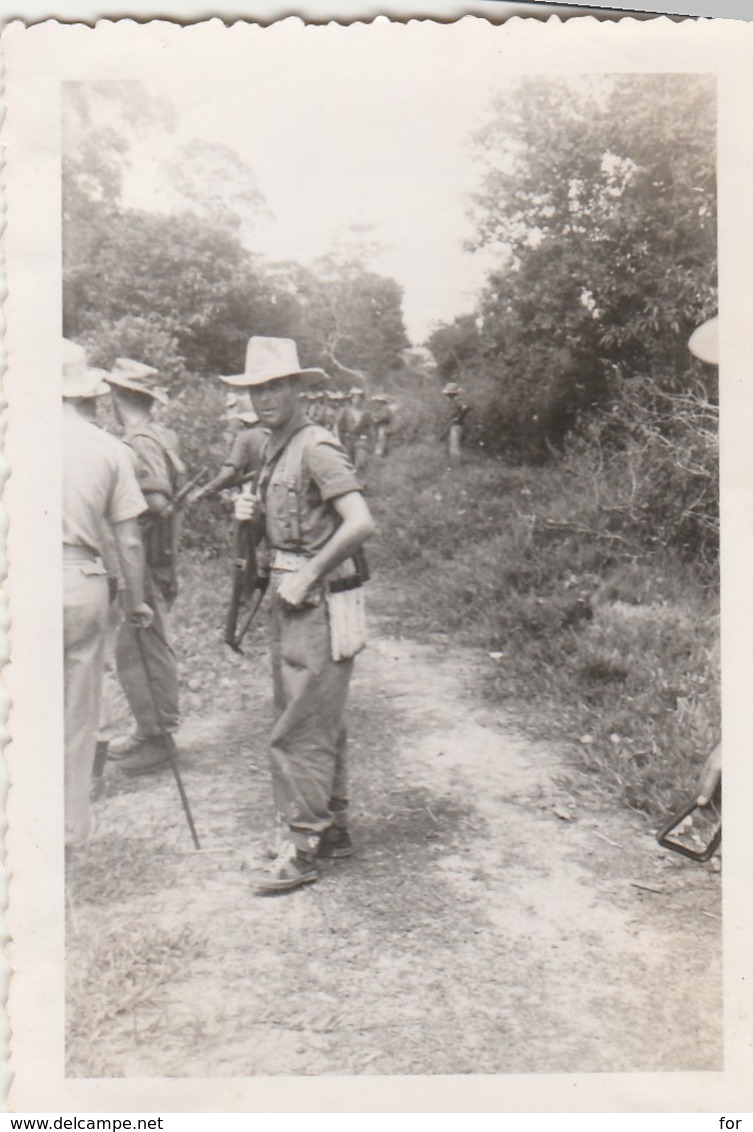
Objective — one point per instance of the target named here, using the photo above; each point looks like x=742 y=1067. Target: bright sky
x=344 y=130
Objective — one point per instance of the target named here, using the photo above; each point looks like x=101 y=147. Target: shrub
x=598 y=632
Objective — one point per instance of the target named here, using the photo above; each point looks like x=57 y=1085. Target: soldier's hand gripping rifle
x=177 y=503
x=249 y=583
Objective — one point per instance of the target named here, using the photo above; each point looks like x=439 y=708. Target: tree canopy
x=600 y=198
x=183 y=290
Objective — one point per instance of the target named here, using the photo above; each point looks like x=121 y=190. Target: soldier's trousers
x=456 y=440
x=309 y=740
x=108 y=711
x=161 y=686
x=361 y=457
x=85 y=600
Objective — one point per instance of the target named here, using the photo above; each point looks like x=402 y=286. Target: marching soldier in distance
x=101 y=499
x=361 y=431
x=458 y=412
x=316 y=521
x=160 y=472
x=328 y=411
x=382 y=417
x=307 y=401
x=354 y=431
x=315 y=402
x=245 y=455
x=340 y=403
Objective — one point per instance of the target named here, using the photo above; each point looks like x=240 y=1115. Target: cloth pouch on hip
x=347 y=622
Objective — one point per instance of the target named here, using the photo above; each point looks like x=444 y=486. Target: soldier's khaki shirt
x=99 y=484
x=303 y=472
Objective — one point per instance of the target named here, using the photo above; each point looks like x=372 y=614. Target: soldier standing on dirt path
x=159 y=471
x=100 y=494
x=315 y=405
x=458 y=412
x=328 y=411
x=316 y=522
x=355 y=425
x=382 y=417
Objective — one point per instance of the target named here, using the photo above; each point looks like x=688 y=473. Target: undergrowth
x=591 y=634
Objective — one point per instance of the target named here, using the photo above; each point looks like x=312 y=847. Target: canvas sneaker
x=291 y=869
x=125 y=745
x=150 y=757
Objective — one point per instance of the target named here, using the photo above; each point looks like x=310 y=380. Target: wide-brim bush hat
x=704 y=341
x=269 y=359
x=79 y=379
x=135 y=376
x=451 y=388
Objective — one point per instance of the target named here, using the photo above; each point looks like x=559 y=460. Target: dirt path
x=498 y=917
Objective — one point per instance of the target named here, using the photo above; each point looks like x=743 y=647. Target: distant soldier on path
x=316 y=522
x=160 y=472
x=382 y=418
x=458 y=412
x=315 y=405
x=327 y=416
x=101 y=500
x=355 y=426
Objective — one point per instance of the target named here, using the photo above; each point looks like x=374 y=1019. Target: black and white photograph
x=375 y=375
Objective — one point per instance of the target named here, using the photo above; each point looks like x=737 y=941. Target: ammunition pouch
x=159 y=536
x=346 y=607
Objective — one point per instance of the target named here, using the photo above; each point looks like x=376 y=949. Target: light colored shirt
x=99 y=484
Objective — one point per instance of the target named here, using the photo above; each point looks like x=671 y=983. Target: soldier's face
x=276 y=402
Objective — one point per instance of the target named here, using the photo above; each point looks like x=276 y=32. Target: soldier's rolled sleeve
x=332 y=471
x=151 y=466
x=126 y=500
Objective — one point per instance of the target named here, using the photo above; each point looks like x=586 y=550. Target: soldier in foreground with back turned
x=159 y=471
x=316 y=522
x=101 y=499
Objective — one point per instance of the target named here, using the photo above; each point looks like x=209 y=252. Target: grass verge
x=590 y=636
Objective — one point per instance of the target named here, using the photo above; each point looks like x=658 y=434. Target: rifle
x=181 y=496
x=167 y=739
x=249 y=585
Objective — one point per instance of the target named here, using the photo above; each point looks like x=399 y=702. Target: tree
x=344 y=317
x=216 y=183
x=600 y=197
x=191 y=278
x=97 y=120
